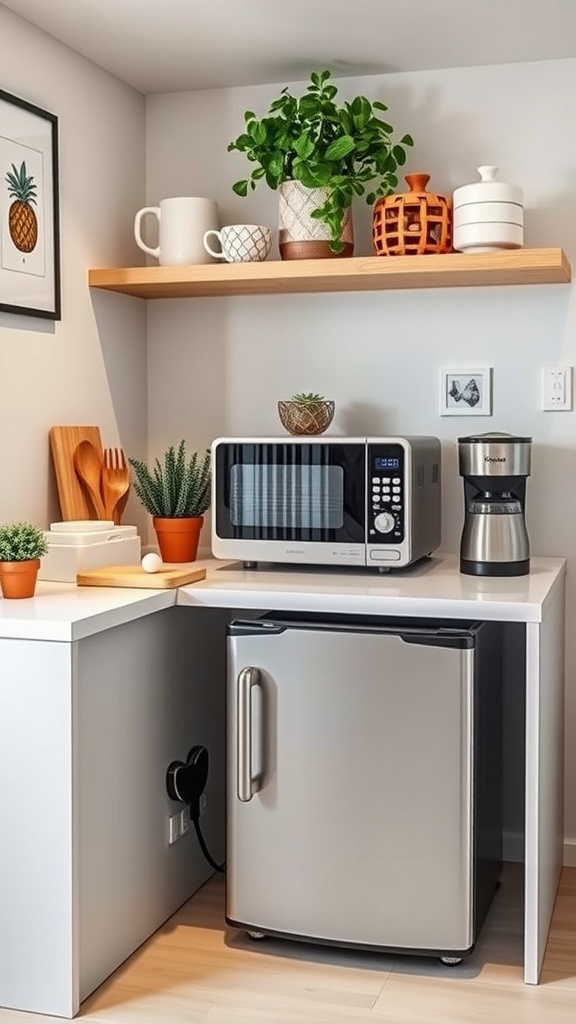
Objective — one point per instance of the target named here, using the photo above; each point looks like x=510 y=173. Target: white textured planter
x=301 y=236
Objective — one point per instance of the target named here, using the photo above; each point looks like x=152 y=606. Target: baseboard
x=513 y=848
x=570 y=853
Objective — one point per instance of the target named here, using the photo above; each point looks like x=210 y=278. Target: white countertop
x=434 y=587
x=65 y=612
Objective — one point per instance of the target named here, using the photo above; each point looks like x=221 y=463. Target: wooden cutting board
x=74 y=501
x=134 y=576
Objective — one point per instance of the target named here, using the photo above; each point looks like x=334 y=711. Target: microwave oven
x=354 y=501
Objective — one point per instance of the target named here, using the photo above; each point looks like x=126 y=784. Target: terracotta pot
x=18 y=579
x=178 y=538
x=413 y=223
x=300 y=236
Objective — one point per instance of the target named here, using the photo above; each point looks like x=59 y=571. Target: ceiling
x=179 y=45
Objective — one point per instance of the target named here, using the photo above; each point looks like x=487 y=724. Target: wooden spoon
x=88 y=466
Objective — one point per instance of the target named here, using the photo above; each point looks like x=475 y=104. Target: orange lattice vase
x=412 y=223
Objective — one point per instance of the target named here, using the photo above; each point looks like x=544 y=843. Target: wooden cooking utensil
x=88 y=466
x=115 y=482
x=74 y=499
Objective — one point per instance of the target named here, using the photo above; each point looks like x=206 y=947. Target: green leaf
x=379 y=105
x=240 y=188
x=407 y=140
x=249 y=115
x=340 y=148
x=257 y=132
x=399 y=155
x=304 y=146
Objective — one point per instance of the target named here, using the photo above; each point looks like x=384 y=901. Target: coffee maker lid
x=494 y=436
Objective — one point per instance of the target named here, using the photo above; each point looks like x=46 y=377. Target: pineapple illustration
x=22 y=221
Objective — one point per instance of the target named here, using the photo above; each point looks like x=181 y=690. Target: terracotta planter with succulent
x=306 y=413
x=176 y=493
x=21 y=548
x=331 y=152
x=22 y=220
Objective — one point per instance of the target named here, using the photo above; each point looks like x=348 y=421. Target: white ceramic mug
x=182 y=223
x=241 y=243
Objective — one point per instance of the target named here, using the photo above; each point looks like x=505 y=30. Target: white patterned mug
x=182 y=222
x=241 y=243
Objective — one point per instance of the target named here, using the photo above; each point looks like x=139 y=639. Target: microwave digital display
x=386 y=463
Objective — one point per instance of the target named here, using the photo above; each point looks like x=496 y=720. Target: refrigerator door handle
x=248 y=678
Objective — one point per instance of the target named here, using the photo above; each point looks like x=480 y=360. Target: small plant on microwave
x=307 y=398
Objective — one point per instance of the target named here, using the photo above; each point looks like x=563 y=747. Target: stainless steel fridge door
x=350 y=789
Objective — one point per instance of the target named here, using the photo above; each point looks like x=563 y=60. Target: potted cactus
x=176 y=493
x=306 y=413
x=22 y=545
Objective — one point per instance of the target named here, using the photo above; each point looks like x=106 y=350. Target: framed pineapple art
x=29 y=218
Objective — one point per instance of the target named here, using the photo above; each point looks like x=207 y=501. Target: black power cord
x=186 y=782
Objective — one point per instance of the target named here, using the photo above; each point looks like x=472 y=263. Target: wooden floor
x=195 y=970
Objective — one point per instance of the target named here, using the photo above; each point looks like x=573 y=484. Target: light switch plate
x=556 y=388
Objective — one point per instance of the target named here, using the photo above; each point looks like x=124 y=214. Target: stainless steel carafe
x=494 y=538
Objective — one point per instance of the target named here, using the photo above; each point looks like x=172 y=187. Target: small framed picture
x=466 y=392
x=29 y=223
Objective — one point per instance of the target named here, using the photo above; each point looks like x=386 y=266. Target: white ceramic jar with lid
x=488 y=214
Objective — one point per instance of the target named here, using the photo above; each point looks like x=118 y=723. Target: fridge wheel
x=450 y=961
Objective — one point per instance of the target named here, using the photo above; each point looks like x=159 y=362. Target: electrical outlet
x=184 y=820
x=174 y=831
x=557 y=388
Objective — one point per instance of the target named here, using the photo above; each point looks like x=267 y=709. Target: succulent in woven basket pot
x=306 y=413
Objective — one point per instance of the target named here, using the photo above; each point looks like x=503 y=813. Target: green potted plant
x=330 y=152
x=306 y=413
x=22 y=545
x=176 y=493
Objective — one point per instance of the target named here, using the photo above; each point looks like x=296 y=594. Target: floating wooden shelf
x=362 y=273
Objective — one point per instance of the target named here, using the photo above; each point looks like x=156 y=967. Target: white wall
x=220 y=365
x=90 y=368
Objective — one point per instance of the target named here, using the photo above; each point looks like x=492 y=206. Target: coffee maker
x=494 y=539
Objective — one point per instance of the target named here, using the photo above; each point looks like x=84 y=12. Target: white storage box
x=80 y=546
x=488 y=214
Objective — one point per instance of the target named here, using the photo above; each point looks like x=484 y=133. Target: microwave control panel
x=386 y=493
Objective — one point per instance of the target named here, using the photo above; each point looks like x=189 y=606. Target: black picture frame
x=29 y=210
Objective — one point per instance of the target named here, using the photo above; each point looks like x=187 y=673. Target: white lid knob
x=488 y=173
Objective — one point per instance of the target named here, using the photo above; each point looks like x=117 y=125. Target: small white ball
x=151 y=562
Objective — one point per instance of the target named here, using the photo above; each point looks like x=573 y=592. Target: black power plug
x=186 y=780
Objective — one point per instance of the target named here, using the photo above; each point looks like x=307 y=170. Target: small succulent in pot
x=176 y=487
x=176 y=493
x=21 y=542
x=307 y=412
x=22 y=545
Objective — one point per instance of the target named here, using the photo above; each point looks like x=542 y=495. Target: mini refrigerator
x=364 y=780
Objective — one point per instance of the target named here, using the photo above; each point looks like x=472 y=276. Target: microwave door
x=294 y=501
